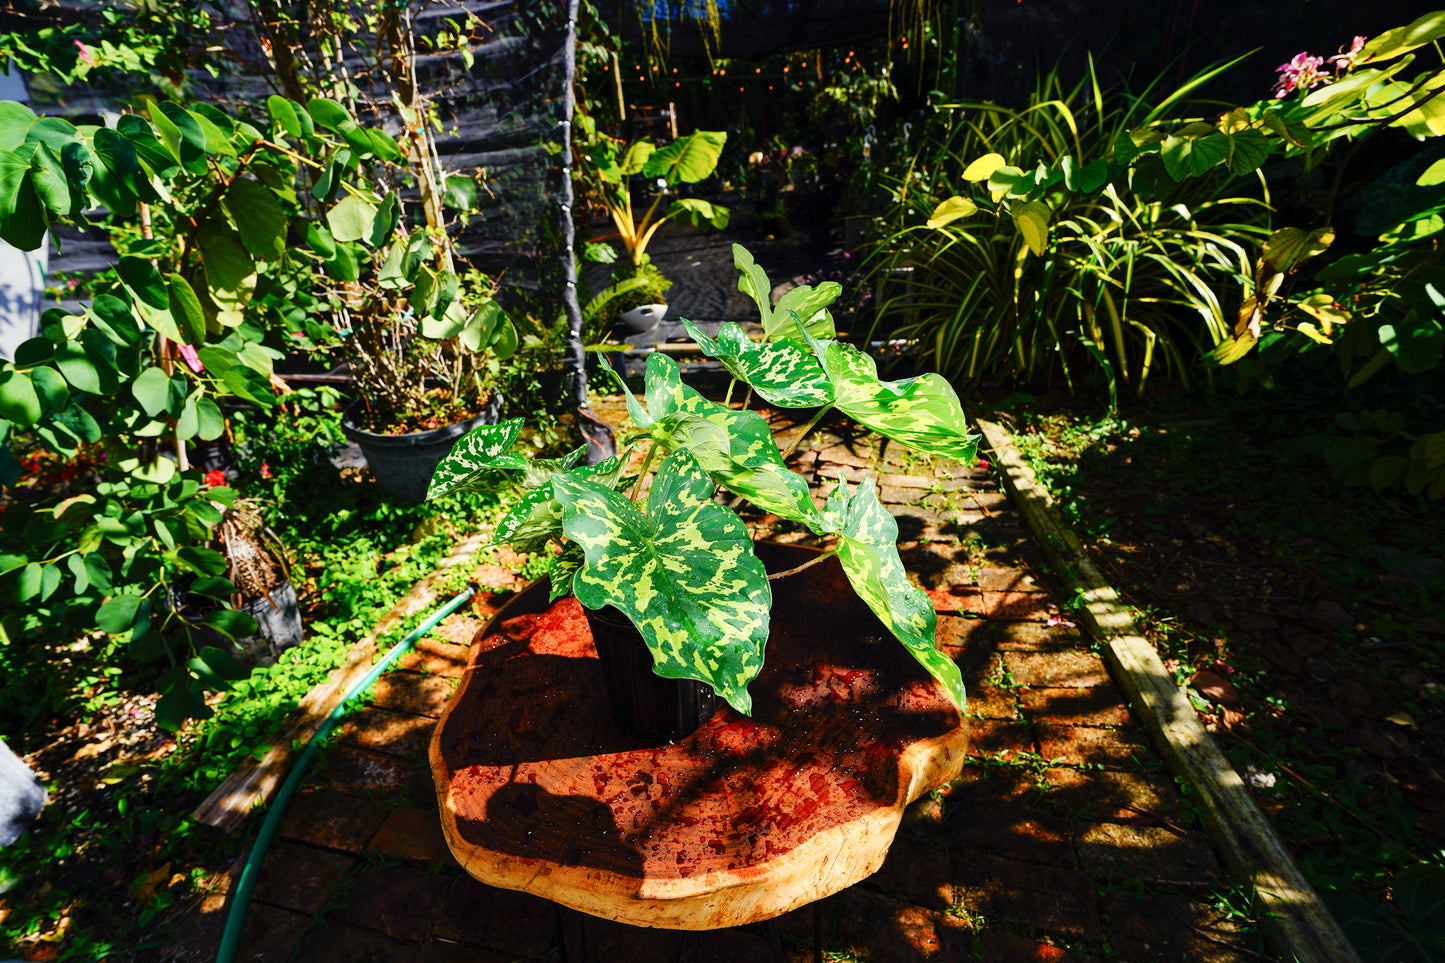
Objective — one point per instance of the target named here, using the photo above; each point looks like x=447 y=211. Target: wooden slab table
x=743 y=820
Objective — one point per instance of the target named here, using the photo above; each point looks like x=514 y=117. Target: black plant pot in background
x=643 y=701
x=403 y=464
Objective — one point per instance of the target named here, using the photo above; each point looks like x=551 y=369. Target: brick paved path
x=1064 y=840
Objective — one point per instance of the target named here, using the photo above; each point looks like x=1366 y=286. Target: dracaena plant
x=680 y=565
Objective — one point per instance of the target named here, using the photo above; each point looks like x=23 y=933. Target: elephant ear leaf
x=868 y=549
x=805 y=305
x=478 y=460
x=684 y=572
x=783 y=373
x=921 y=412
x=754 y=283
x=735 y=448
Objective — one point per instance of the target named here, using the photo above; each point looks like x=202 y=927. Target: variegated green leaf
x=754 y=282
x=539 y=471
x=783 y=373
x=868 y=549
x=735 y=448
x=635 y=411
x=684 y=573
x=562 y=571
x=921 y=412
x=478 y=461
x=537 y=515
x=805 y=305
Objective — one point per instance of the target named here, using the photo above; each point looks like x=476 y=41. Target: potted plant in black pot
x=424 y=379
x=656 y=551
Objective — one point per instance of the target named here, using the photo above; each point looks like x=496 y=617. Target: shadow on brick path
x=1064 y=839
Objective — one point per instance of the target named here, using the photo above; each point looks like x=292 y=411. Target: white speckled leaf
x=736 y=448
x=868 y=549
x=684 y=573
x=537 y=515
x=478 y=461
x=539 y=471
x=921 y=412
x=783 y=373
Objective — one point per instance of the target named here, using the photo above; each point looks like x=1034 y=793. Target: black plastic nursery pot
x=403 y=464
x=643 y=701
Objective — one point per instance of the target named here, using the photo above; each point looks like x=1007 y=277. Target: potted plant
x=608 y=171
x=657 y=551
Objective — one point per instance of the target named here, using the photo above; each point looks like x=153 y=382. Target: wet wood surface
x=745 y=819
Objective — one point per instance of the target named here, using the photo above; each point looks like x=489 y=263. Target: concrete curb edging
x=254 y=783
x=1303 y=929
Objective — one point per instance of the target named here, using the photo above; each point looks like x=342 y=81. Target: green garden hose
x=235 y=921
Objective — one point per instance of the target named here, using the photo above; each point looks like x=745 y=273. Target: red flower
x=265 y=470
x=214 y=479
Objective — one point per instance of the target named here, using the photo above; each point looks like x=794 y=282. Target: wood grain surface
x=745 y=819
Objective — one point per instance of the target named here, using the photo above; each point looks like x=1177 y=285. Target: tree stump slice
x=745 y=819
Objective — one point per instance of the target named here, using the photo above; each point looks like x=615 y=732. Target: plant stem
x=806 y=428
x=728 y=398
x=808 y=564
x=646 y=464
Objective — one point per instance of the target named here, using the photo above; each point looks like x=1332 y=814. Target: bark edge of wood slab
x=745 y=819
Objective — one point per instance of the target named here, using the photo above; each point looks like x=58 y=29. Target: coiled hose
x=236 y=920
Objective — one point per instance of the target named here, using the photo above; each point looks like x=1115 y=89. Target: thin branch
x=808 y=564
x=806 y=428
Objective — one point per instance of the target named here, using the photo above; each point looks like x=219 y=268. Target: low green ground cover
x=115 y=857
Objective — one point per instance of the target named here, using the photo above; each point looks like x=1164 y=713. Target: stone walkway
x=1064 y=840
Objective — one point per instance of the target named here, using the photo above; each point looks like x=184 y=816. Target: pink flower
x=265 y=470
x=86 y=55
x=193 y=360
x=1346 y=60
x=1301 y=73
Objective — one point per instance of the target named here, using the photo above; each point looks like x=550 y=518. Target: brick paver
x=1063 y=840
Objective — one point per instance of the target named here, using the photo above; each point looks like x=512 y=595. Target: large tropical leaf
x=783 y=373
x=735 y=448
x=754 y=282
x=478 y=461
x=687 y=160
x=868 y=548
x=921 y=412
x=684 y=573
x=696 y=212
x=803 y=304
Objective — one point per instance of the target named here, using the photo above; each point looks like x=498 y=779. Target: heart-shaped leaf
x=868 y=548
x=805 y=305
x=921 y=412
x=684 y=573
x=735 y=448
x=783 y=373
x=478 y=460
x=687 y=160
x=952 y=210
